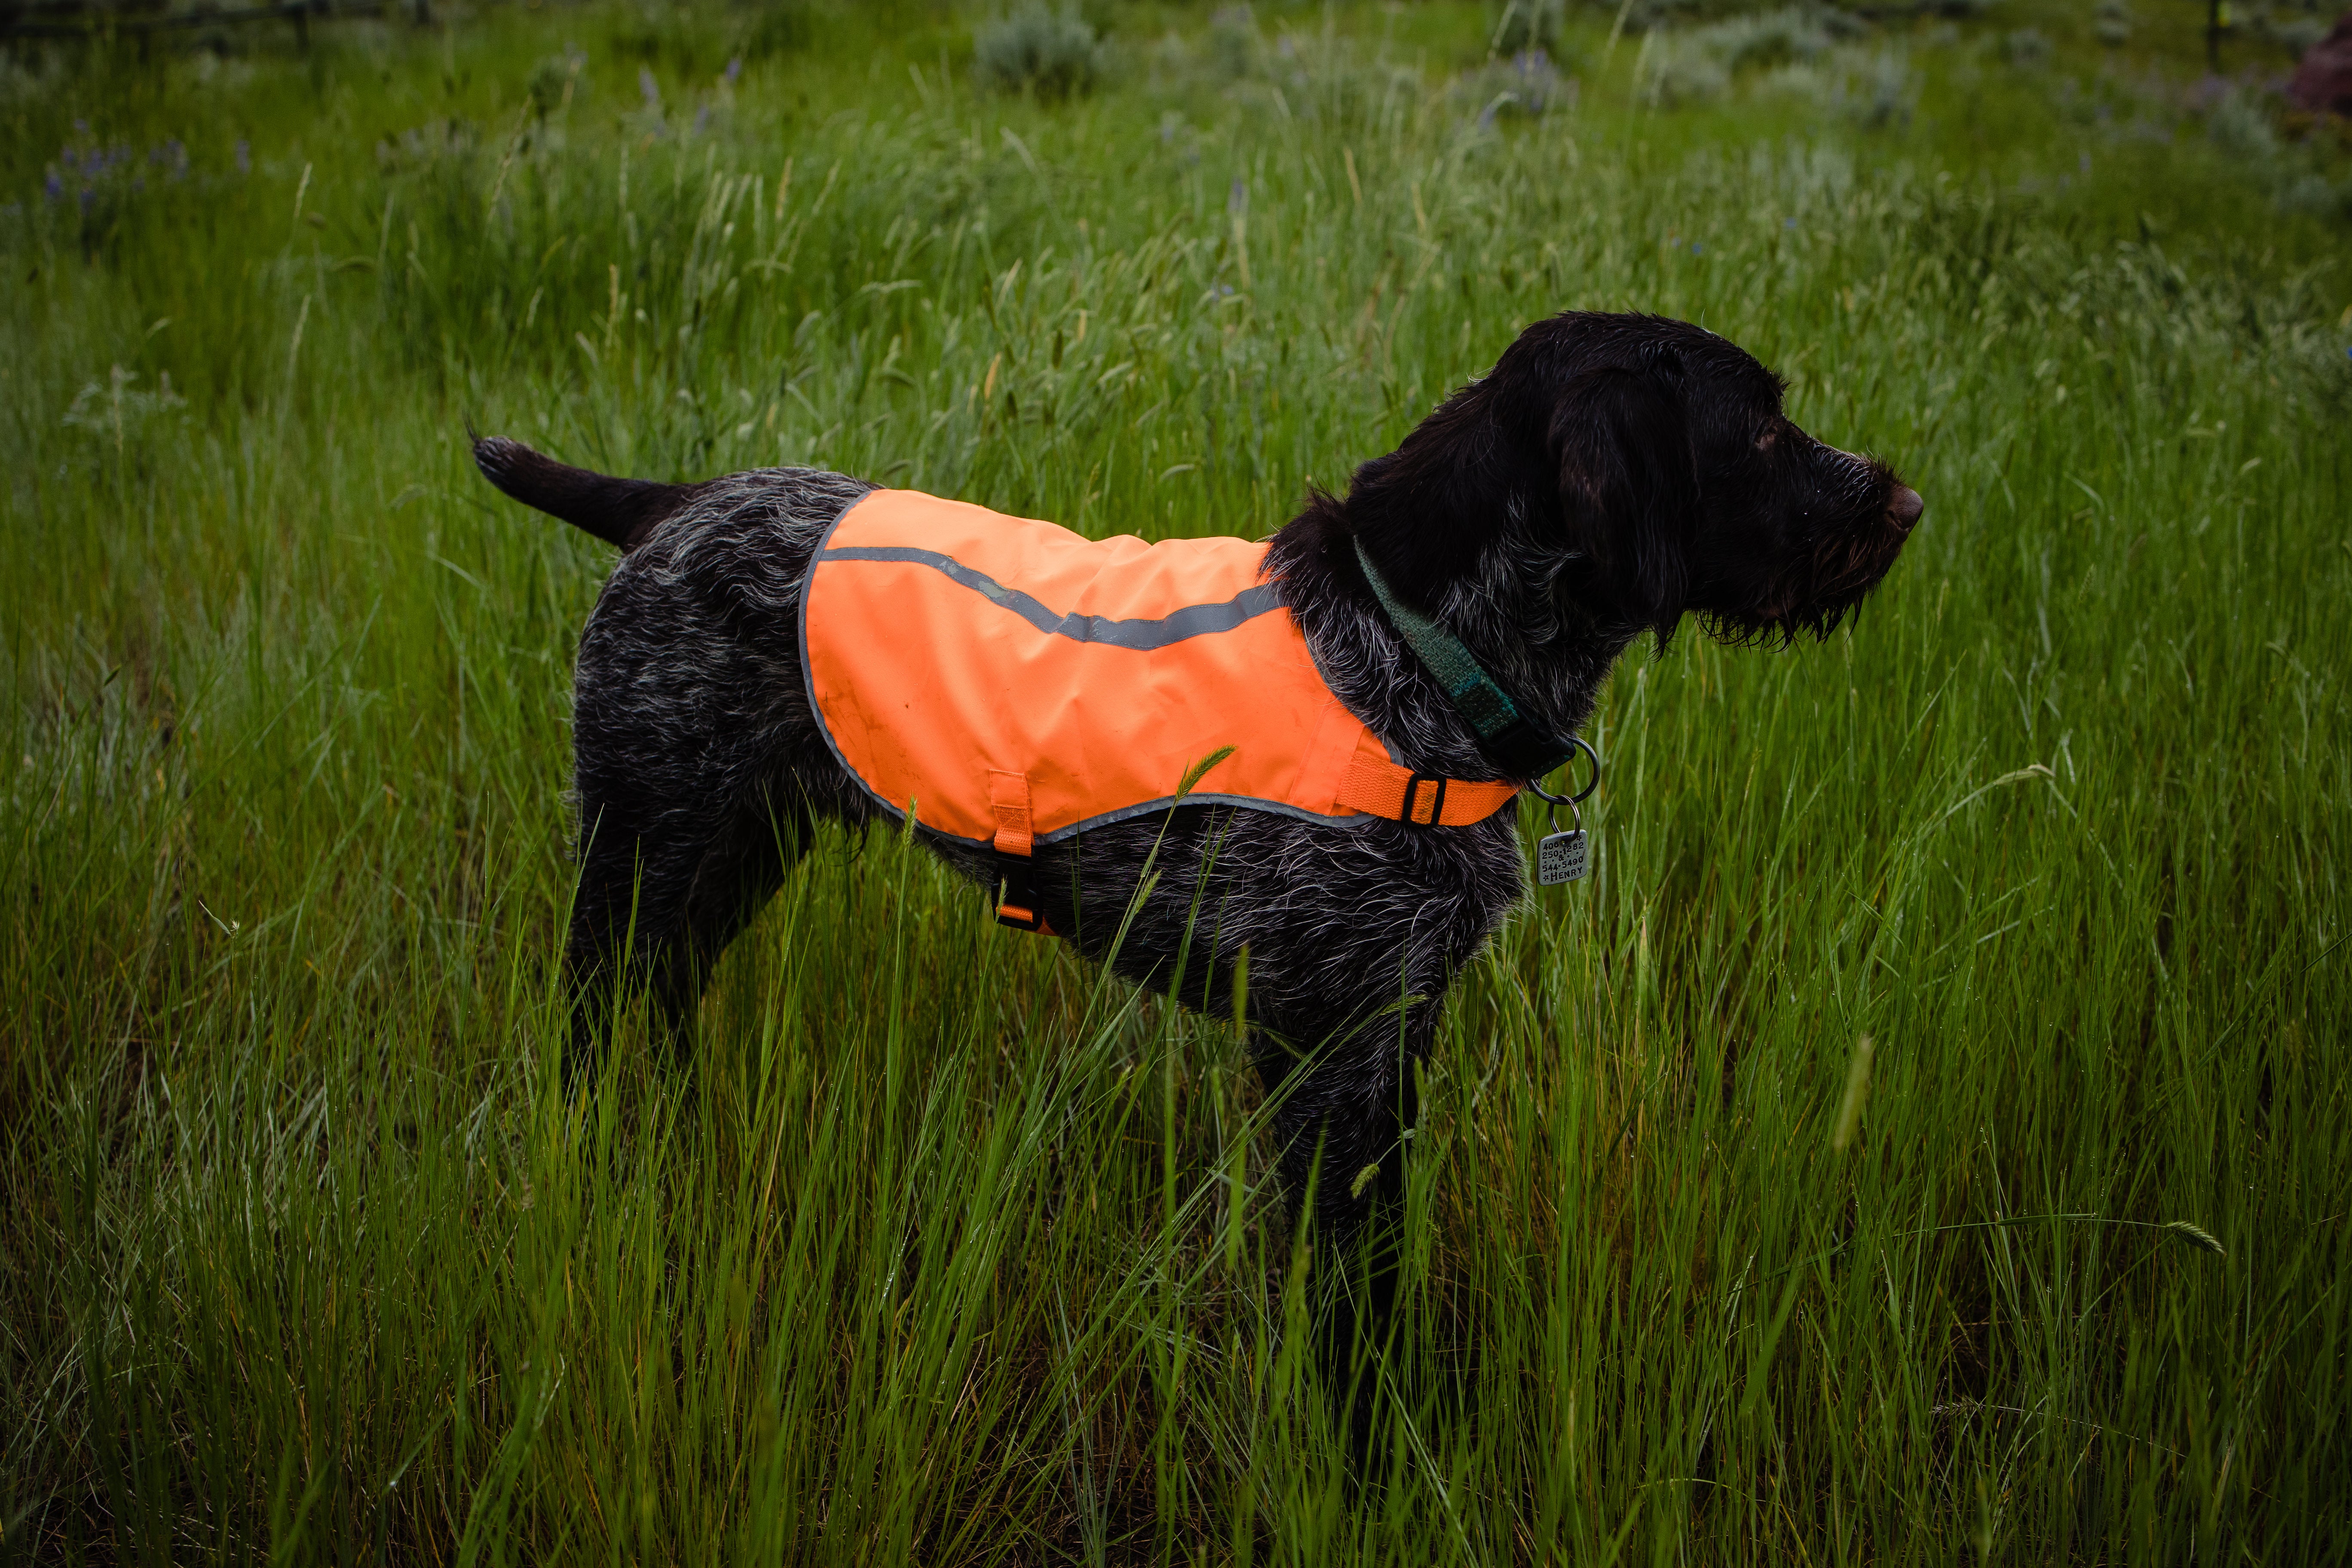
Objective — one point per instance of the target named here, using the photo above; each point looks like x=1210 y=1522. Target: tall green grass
x=944 y=1246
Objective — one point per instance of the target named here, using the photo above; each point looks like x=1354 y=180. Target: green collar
x=1519 y=749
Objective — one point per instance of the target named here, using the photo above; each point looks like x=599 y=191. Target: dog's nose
x=1906 y=508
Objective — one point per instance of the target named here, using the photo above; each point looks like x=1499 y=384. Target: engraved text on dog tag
x=1561 y=857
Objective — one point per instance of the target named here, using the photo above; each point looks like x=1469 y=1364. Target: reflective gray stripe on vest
x=1191 y=621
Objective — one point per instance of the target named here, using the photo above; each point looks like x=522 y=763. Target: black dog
x=1612 y=474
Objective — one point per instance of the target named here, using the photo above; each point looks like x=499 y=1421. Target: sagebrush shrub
x=2296 y=34
x=1885 y=92
x=2025 y=47
x=2241 y=131
x=1050 y=53
x=1696 y=65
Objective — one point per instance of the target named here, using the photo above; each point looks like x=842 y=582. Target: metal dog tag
x=1565 y=857
x=1561 y=857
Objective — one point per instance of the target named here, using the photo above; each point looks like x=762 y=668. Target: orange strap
x=1008 y=797
x=1372 y=784
x=1008 y=794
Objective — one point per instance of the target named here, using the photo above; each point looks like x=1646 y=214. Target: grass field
x=948 y=1249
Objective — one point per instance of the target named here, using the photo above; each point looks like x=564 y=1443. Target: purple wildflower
x=734 y=69
x=650 y=88
x=244 y=157
x=702 y=120
x=54 y=187
x=1237 y=199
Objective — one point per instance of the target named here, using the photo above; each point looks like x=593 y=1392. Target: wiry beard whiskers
x=1736 y=630
x=1815 y=596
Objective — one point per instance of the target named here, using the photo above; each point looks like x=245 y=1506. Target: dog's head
x=1645 y=468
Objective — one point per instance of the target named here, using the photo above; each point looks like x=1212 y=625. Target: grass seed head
x=2196 y=1236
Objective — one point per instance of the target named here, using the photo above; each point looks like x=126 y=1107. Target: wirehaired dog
x=1612 y=475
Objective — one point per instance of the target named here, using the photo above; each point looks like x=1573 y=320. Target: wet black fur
x=1612 y=475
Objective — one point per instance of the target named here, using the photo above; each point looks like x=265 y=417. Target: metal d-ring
x=1576 y=744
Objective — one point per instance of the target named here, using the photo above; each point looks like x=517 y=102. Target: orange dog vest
x=1007 y=682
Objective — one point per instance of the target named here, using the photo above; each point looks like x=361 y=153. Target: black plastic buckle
x=1016 y=903
x=1413 y=795
x=1523 y=752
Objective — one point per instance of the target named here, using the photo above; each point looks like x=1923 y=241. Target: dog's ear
x=1629 y=485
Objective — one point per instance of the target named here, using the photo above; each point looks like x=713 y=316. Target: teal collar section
x=1520 y=748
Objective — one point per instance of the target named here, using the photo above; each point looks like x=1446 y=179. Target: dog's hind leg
x=659 y=903
x=696 y=753
x=686 y=828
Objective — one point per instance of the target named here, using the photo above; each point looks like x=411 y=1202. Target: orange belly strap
x=1006 y=682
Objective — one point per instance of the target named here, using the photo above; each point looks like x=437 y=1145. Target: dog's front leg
x=1347 y=1106
x=1352 y=936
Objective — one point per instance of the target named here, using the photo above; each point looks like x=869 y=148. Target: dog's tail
x=618 y=511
